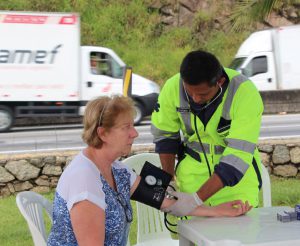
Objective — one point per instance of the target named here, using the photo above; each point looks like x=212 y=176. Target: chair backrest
x=266 y=187
x=150 y=221
x=31 y=206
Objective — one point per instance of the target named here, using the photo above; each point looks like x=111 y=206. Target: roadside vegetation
x=14 y=230
x=134 y=31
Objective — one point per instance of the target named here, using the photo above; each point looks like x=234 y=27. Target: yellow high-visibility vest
x=230 y=136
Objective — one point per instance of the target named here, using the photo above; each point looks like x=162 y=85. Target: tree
x=248 y=12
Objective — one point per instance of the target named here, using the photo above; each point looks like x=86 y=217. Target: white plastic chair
x=31 y=206
x=266 y=187
x=150 y=221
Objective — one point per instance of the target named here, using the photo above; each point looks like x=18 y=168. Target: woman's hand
x=231 y=209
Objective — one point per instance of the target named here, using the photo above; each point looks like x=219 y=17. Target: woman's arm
x=227 y=209
x=135 y=184
x=166 y=202
x=88 y=222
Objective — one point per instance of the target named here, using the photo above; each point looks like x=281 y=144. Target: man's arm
x=239 y=153
x=166 y=124
x=210 y=187
x=168 y=162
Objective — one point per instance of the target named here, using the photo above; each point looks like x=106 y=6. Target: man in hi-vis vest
x=210 y=117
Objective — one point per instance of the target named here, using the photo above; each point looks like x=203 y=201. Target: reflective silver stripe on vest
x=219 y=149
x=232 y=88
x=235 y=162
x=159 y=135
x=196 y=146
x=186 y=116
x=240 y=145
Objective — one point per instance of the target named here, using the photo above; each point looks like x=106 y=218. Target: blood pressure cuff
x=153 y=185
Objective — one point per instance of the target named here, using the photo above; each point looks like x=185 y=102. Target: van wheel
x=6 y=118
x=138 y=113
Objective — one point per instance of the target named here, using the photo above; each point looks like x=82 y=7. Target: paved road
x=280 y=126
x=27 y=139
x=68 y=137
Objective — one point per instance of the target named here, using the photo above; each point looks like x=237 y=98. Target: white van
x=270 y=58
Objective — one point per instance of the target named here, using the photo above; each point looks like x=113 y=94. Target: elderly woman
x=92 y=199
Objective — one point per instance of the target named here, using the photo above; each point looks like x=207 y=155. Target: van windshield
x=102 y=63
x=237 y=62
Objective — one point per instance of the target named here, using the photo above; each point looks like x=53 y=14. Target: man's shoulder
x=171 y=86
x=240 y=79
x=174 y=80
x=231 y=72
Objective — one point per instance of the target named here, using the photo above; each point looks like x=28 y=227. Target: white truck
x=44 y=71
x=271 y=58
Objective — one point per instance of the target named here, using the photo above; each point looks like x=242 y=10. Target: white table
x=258 y=227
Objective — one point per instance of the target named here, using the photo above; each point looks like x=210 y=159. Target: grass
x=14 y=230
x=285 y=192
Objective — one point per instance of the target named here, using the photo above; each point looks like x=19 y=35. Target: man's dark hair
x=200 y=67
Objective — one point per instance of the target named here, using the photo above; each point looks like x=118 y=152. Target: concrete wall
x=281 y=101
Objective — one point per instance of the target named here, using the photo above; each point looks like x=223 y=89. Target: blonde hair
x=103 y=111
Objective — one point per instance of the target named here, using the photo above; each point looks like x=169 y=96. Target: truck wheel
x=138 y=113
x=6 y=118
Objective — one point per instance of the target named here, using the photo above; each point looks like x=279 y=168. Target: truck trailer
x=270 y=58
x=45 y=72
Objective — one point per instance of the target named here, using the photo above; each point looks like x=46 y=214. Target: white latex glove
x=185 y=204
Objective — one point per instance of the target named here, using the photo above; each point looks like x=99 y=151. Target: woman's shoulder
x=81 y=163
x=81 y=181
x=80 y=170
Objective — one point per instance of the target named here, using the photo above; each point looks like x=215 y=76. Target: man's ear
x=221 y=81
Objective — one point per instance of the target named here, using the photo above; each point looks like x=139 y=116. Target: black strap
x=257 y=173
x=167 y=223
x=193 y=153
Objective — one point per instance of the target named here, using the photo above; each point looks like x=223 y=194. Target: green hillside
x=135 y=32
